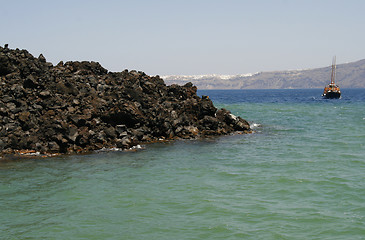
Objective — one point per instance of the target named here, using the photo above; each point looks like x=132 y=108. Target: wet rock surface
x=81 y=107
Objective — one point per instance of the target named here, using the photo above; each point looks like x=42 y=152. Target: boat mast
x=333 y=70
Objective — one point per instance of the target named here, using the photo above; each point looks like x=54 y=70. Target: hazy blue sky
x=163 y=37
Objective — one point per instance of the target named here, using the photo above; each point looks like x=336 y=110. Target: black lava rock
x=81 y=107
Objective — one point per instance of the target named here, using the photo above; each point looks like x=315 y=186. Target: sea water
x=300 y=175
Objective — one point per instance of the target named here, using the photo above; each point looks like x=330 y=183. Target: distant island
x=77 y=107
x=348 y=75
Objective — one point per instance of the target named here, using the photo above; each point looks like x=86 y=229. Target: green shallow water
x=299 y=176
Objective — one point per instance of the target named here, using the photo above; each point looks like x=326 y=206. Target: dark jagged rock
x=81 y=107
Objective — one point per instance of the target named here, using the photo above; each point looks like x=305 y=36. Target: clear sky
x=185 y=37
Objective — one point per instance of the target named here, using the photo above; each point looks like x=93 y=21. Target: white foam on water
x=255 y=125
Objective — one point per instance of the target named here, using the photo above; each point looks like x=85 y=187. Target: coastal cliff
x=81 y=107
x=348 y=75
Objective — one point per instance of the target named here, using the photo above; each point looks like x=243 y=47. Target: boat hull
x=332 y=95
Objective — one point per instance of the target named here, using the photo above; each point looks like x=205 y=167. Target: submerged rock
x=81 y=107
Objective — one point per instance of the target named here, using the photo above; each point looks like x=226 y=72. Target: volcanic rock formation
x=81 y=107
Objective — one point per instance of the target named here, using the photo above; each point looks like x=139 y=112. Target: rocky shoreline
x=77 y=107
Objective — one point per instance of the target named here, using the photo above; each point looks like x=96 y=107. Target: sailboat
x=332 y=90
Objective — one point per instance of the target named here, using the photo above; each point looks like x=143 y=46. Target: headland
x=78 y=107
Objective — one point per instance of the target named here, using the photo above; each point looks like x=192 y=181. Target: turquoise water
x=301 y=175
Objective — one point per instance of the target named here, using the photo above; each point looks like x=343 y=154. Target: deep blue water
x=280 y=96
x=300 y=175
